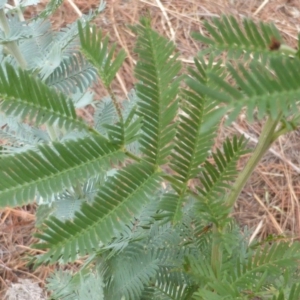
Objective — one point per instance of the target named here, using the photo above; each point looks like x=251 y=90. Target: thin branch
x=272 y=150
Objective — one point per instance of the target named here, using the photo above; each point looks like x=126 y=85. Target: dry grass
x=269 y=202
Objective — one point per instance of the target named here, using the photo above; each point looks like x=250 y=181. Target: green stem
x=11 y=46
x=216 y=252
x=116 y=104
x=264 y=142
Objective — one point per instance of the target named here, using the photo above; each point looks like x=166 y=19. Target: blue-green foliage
x=142 y=190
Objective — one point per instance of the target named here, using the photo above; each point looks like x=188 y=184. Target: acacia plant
x=140 y=194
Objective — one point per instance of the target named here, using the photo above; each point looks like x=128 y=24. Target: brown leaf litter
x=268 y=204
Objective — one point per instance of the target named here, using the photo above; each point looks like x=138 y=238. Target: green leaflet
x=114 y=206
x=32 y=99
x=53 y=168
x=157 y=90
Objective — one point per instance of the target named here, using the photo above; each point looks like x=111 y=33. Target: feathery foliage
x=96 y=50
x=227 y=34
x=157 y=91
x=144 y=191
x=73 y=73
x=121 y=197
x=53 y=168
x=34 y=100
x=51 y=7
x=262 y=89
x=216 y=179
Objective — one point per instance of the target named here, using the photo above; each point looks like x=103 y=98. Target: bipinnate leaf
x=53 y=168
x=262 y=91
x=196 y=130
x=25 y=96
x=96 y=50
x=157 y=72
x=115 y=205
x=240 y=39
x=216 y=179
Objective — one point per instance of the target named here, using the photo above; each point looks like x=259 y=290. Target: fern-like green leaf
x=106 y=121
x=247 y=274
x=169 y=285
x=201 y=270
x=136 y=272
x=95 y=48
x=272 y=92
x=294 y=292
x=115 y=205
x=194 y=138
x=73 y=73
x=52 y=169
x=216 y=180
x=226 y=34
x=172 y=203
x=157 y=91
x=266 y=264
x=32 y=99
x=51 y=7
x=131 y=133
x=157 y=252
